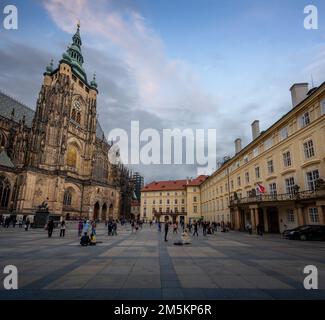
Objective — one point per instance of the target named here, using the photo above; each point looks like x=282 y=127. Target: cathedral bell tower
x=64 y=128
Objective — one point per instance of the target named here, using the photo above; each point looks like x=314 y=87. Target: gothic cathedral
x=57 y=153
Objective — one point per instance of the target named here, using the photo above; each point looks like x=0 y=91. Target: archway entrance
x=110 y=212
x=96 y=211
x=104 y=212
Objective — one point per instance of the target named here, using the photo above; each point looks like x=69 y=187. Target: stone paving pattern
x=141 y=265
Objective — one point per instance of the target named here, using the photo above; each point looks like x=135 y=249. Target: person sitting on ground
x=84 y=241
x=92 y=240
x=185 y=239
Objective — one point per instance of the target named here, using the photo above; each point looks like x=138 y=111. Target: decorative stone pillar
x=321 y=213
x=253 y=221
x=266 y=223
x=300 y=216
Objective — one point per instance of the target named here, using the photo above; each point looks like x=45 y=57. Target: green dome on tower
x=73 y=55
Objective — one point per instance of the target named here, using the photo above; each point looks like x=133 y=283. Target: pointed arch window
x=78 y=119
x=72 y=157
x=67 y=199
x=4 y=192
x=73 y=114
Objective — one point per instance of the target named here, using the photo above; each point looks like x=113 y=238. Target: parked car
x=306 y=232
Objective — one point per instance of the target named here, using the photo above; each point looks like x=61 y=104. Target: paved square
x=142 y=266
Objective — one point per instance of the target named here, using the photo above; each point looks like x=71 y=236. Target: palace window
x=313 y=215
x=268 y=143
x=175 y=201
x=194 y=199
x=287 y=159
x=255 y=152
x=290 y=216
x=304 y=120
x=270 y=167
x=67 y=199
x=312 y=177
x=290 y=183
x=195 y=209
x=238 y=181
x=309 y=149
x=4 y=192
x=322 y=107
x=272 y=189
x=257 y=172
x=284 y=133
x=247 y=177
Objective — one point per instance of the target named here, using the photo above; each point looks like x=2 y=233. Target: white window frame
x=305 y=119
x=291 y=217
x=309 y=150
x=273 y=189
x=284 y=133
x=313 y=215
x=268 y=143
x=290 y=187
x=311 y=178
x=322 y=107
x=270 y=166
x=257 y=173
x=287 y=161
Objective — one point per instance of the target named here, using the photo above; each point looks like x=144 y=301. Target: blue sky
x=181 y=63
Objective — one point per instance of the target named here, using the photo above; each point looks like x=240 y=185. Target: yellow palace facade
x=277 y=180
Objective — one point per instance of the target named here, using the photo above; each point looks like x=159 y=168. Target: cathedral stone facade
x=57 y=154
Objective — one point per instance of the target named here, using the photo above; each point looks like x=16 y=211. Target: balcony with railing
x=285 y=197
x=170 y=213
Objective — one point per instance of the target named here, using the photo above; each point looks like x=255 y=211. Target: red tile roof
x=197 y=181
x=172 y=184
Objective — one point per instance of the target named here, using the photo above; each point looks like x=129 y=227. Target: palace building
x=276 y=181
x=173 y=200
x=57 y=154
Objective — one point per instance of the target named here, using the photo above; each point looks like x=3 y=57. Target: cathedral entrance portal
x=104 y=212
x=110 y=212
x=96 y=211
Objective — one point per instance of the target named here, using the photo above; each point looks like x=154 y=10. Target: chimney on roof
x=238 y=146
x=299 y=92
x=255 y=129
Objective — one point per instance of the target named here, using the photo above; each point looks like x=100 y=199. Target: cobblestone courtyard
x=142 y=266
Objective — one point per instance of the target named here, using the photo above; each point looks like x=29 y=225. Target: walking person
x=62 y=229
x=195 y=229
x=159 y=226
x=249 y=228
x=80 y=226
x=27 y=224
x=175 y=228
x=50 y=227
x=166 y=230
x=114 y=228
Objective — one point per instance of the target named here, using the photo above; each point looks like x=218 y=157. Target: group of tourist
x=6 y=221
x=87 y=229
x=207 y=227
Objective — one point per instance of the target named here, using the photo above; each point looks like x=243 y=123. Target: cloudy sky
x=195 y=64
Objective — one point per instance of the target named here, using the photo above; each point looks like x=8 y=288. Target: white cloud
x=164 y=86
